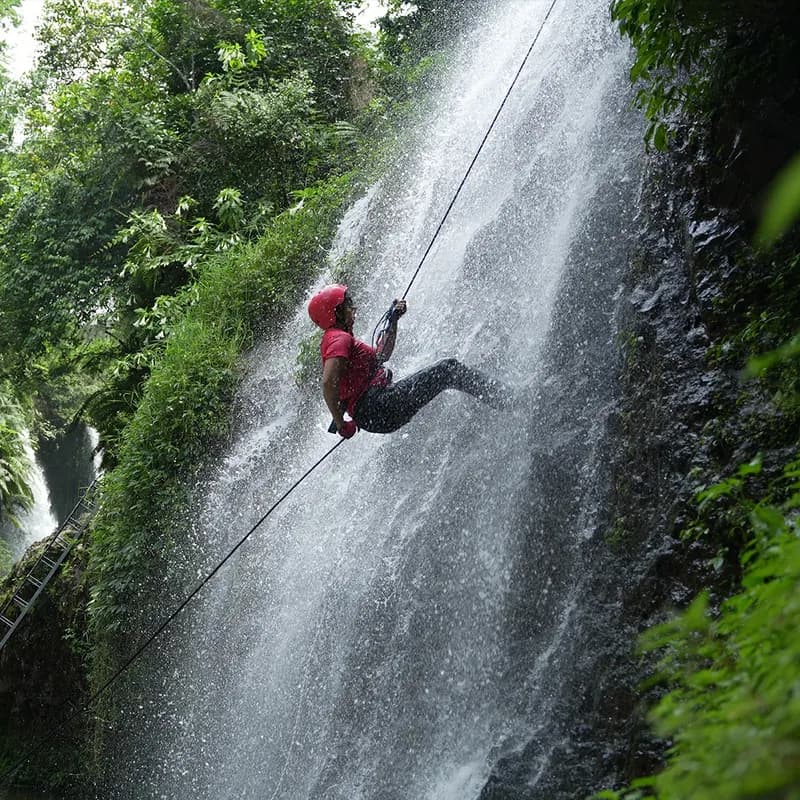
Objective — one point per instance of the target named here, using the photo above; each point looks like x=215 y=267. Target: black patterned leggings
x=383 y=409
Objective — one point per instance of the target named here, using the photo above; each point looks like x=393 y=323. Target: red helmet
x=322 y=306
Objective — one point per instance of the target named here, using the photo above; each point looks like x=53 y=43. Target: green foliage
x=158 y=134
x=9 y=17
x=662 y=51
x=307 y=362
x=8 y=12
x=266 y=142
x=15 y=465
x=787 y=352
x=733 y=712
x=731 y=486
x=411 y=31
x=632 y=793
x=6 y=559
x=732 y=708
x=691 y=54
x=414 y=44
x=9 y=103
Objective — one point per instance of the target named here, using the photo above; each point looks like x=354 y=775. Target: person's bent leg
x=385 y=409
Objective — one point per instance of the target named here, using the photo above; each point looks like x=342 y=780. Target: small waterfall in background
x=416 y=611
x=63 y=468
x=37 y=522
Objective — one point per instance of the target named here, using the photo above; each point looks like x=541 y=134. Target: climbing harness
x=379 y=336
x=384 y=324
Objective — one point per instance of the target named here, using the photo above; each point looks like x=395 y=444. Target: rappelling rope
x=386 y=320
x=168 y=621
x=478 y=151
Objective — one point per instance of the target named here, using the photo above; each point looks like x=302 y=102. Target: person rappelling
x=355 y=381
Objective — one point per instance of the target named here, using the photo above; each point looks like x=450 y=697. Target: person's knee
x=450 y=366
x=450 y=373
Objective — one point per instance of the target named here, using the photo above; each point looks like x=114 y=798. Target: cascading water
x=410 y=617
x=37 y=522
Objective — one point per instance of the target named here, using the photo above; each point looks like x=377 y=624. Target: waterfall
x=38 y=521
x=416 y=611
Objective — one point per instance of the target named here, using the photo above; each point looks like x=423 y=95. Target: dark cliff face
x=43 y=670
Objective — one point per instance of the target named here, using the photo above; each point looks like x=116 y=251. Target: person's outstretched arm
x=385 y=344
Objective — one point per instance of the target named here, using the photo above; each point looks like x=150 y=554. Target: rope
x=478 y=152
x=168 y=621
x=163 y=626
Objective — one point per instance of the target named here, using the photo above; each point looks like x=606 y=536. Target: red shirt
x=361 y=365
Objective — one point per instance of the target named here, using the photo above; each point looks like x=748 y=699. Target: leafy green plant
x=731 y=486
x=157 y=134
x=307 y=361
x=731 y=710
x=15 y=465
x=690 y=54
x=6 y=559
x=783 y=204
x=665 y=48
x=733 y=713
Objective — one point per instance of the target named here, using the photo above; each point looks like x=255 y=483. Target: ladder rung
x=6 y=621
x=35 y=581
x=48 y=562
x=41 y=571
x=21 y=602
x=60 y=541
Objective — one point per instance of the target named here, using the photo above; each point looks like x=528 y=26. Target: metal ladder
x=55 y=551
